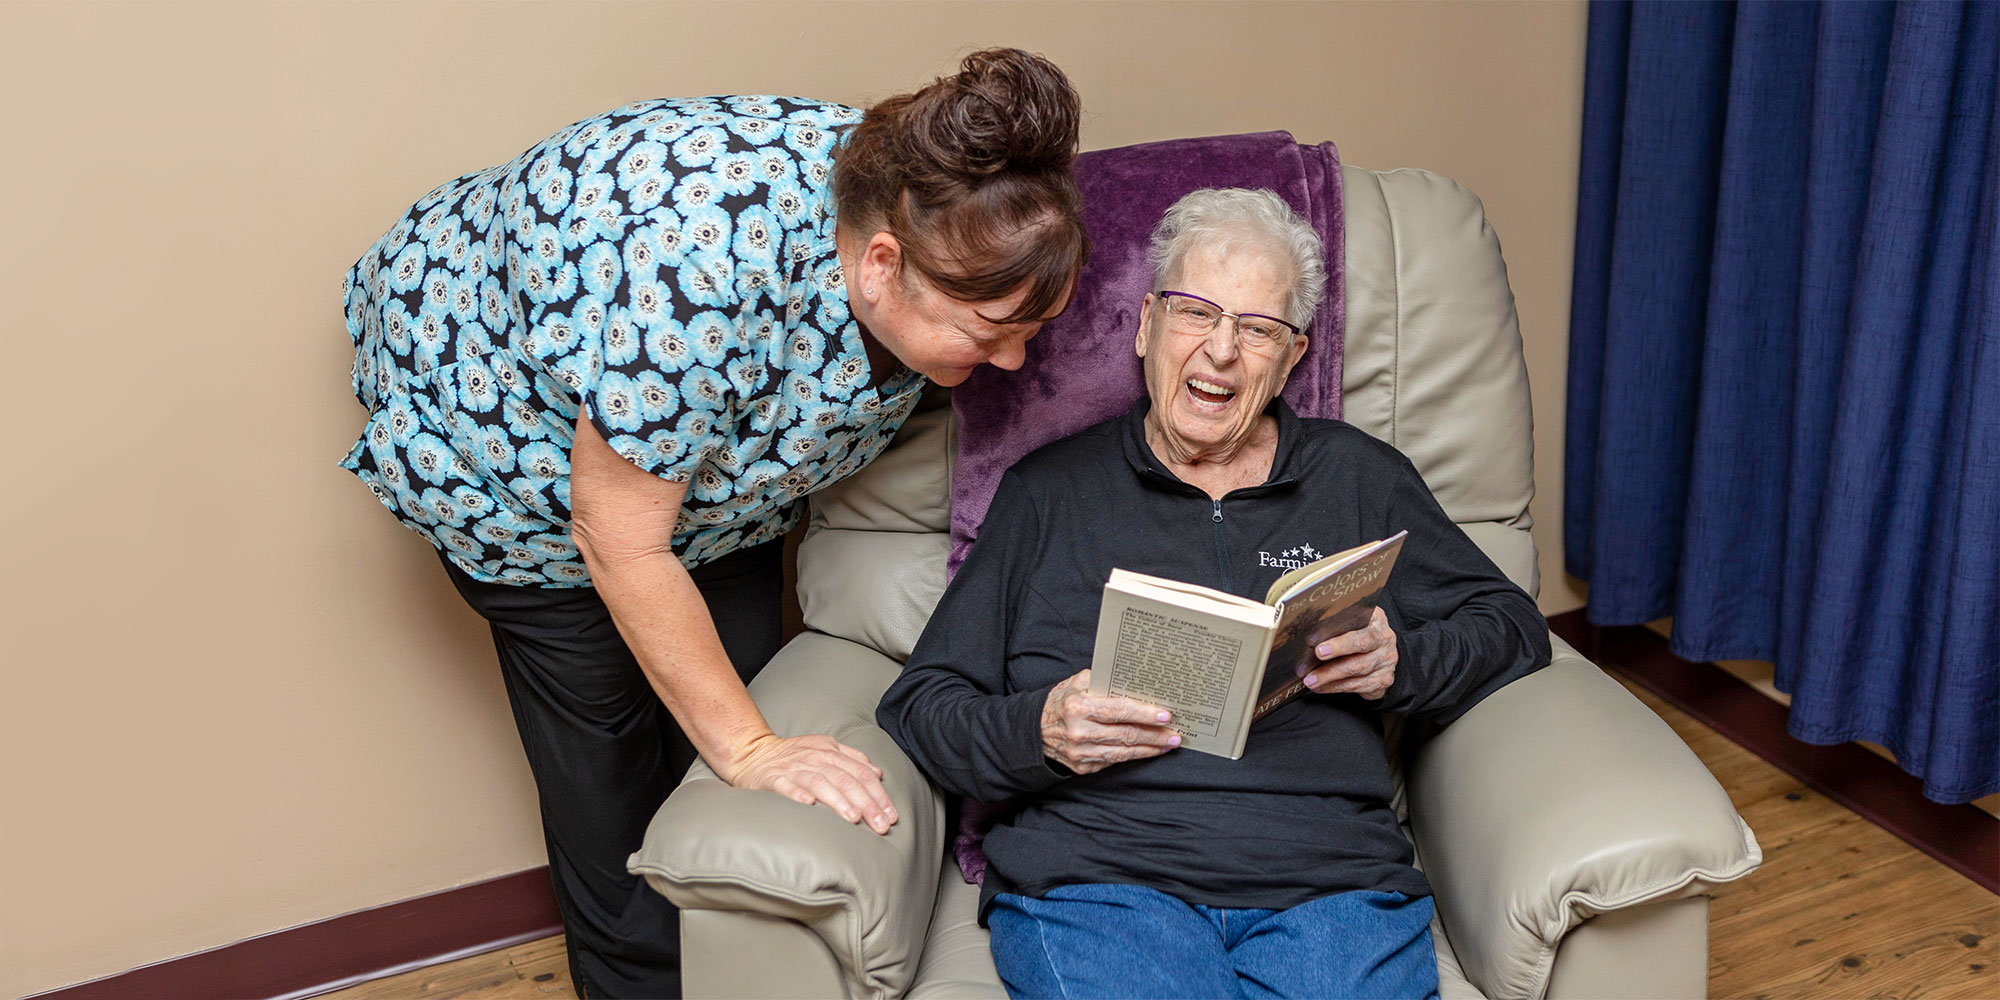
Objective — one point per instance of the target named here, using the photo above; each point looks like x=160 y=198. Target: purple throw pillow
x=1081 y=369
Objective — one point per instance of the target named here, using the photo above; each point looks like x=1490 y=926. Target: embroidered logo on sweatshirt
x=1292 y=558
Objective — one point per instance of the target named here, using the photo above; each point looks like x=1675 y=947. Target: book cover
x=1316 y=605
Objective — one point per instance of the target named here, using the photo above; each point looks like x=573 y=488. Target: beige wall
x=240 y=697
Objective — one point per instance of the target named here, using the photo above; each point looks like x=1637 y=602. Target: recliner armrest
x=867 y=896
x=1560 y=797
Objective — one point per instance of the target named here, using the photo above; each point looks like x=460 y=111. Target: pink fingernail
x=1173 y=741
x=1166 y=716
x=1326 y=650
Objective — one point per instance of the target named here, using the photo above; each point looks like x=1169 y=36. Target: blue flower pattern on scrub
x=667 y=268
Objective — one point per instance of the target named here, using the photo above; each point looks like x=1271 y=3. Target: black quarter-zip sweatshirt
x=1306 y=811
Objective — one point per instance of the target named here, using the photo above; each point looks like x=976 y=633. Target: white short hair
x=1228 y=219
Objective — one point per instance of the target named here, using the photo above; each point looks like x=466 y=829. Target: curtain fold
x=1784 y=386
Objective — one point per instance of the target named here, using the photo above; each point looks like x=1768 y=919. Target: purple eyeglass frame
x=1239 y=317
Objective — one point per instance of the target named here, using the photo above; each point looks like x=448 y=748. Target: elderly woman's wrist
x=1034 y=756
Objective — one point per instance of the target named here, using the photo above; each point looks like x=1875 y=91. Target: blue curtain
x=1784 y=382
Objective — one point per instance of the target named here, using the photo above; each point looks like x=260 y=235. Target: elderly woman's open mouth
x=1215 y=394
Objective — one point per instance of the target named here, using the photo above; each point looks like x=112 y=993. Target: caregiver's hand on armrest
x=815 y=768
x=1087 y=732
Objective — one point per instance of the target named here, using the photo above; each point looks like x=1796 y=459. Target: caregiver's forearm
x=623 y=519
x=660 y=613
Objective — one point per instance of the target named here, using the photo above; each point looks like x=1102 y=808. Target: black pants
x=605 y=753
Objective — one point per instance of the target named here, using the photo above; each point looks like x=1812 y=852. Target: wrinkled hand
x=1087 y=733
x=1360 y=662
x=815 y=768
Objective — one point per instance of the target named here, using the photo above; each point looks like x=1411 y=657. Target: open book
x=1220 y=662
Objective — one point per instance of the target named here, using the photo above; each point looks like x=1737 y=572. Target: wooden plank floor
x=1840 y=909
x=536 y=970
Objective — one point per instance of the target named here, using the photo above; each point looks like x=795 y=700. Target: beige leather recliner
x=1570 y=836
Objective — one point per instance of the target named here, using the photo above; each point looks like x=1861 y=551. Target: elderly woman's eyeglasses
x=1194 y=315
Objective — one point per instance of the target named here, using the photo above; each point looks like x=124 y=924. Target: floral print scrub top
x=667 y=268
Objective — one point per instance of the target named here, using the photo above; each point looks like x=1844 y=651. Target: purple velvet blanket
x=1081 y=369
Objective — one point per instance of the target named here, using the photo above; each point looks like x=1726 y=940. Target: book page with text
x=1199 y=665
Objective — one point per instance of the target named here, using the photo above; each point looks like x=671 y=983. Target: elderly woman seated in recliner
x=1133 y=870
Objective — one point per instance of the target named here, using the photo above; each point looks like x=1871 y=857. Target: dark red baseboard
x=345 y=950
x=1961 y=836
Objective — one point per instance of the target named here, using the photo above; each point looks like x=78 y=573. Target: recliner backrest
x=1433 y=363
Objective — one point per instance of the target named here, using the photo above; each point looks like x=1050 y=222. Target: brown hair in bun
x=972 y=176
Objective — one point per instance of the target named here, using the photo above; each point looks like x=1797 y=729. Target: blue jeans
x=1126 y=941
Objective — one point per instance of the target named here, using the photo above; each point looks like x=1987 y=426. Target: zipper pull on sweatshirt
x=1218 y=511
